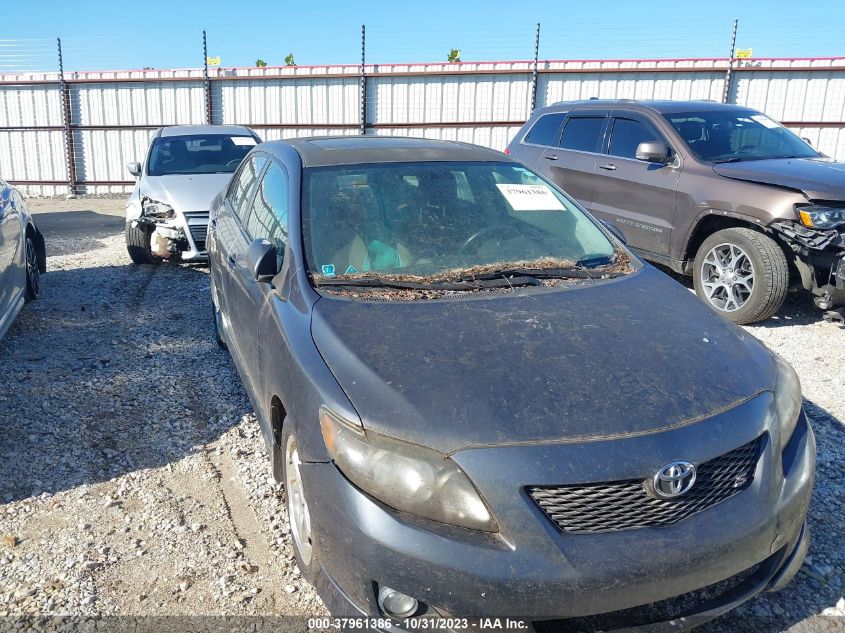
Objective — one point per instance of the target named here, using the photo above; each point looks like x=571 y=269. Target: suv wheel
x=741 y=274
x=138 y=245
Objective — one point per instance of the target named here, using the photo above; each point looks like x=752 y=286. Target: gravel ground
x=134 y=480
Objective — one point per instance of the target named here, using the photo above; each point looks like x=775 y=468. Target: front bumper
x=819 y=257
x=533 y=571
x=183 y=236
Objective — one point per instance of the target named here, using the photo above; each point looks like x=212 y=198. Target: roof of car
x=350 y=150
x=186 y=130
x=664 y=106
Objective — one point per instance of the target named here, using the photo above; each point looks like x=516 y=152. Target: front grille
x=626 y=505
x=198 y=226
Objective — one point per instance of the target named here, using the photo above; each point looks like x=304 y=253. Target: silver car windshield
x=736 y=136
x=198 y=154
x=426 y=218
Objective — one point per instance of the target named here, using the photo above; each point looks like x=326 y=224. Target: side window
x=243 y=181
x=582 y=134
x=269 y=215
x=544 y=131
x=627 y=135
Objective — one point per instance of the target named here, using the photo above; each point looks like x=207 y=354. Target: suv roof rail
x=591 y=99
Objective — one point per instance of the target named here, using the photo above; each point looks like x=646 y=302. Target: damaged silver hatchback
x=186 y=166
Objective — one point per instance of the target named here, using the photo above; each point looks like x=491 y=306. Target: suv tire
x=138 y=245
x=741 y=274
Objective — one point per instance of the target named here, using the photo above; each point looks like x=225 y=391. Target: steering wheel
x=234 y=161
x=490 y=230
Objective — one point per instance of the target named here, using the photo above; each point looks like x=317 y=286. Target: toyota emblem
x=674 y=479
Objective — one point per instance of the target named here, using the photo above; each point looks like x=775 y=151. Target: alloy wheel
x=298 y=514
x=727 y=276
x=33 y=274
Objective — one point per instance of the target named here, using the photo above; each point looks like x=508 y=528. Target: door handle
x=231 y=261
x=608 y=166
x=551 y=157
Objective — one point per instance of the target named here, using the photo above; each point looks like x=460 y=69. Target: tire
x=741 y=274
x=138 y=245
x=33 y=271
x=304 y=546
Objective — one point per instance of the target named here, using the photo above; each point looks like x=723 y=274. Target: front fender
x=133 y=205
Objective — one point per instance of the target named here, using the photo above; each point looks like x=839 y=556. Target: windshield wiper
x=569 y=272
x=460 y=284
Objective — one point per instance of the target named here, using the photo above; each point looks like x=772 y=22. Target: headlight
x=820 y=217
x=787 y=399
x=405 y=476
x=159 y=210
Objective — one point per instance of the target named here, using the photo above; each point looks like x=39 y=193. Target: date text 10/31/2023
x=417 y=624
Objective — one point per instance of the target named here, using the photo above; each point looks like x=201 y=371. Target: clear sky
x=101 y=34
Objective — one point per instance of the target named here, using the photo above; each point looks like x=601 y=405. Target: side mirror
x=134 y=169
x=617 y=233
x=653 y=152
x=262 y=259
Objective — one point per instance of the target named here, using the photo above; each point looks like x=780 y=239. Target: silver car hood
x=184 y=192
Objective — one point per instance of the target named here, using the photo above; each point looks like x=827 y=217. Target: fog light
x=396 y=604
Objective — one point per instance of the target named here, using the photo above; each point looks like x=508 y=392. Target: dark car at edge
x=482 y=404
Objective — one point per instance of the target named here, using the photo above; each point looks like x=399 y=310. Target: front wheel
x=299 y=514
x=33 y=272
x=741 y=274
x=138 y=245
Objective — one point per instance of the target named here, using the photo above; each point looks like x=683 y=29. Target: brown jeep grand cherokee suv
x=719 y=192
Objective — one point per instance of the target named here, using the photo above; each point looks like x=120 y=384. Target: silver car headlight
x=787 y=399
x=405 y=476
x=157 y=210
x=821 y=217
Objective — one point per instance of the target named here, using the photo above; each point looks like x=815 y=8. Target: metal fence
x=74 y=132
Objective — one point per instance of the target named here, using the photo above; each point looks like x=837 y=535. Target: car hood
x=625 y=357
x=817 y=178
x=187 y=192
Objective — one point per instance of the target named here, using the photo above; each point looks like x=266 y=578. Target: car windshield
x=198 y=154
x=427 y=219
x=737 y=135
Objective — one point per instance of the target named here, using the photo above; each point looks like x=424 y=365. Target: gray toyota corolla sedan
x=482 y=404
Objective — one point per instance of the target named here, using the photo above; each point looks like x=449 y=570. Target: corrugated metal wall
x=112 y=114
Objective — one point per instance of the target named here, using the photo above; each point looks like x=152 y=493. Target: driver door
x=637 y=196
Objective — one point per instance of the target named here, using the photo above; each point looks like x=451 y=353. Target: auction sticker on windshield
x=531 y=198
x=243 y=140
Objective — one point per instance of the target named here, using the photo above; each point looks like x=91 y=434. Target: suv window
x=242 y=183
x=544 y=131
x=269 y=215
x=582 y=133
x=627 y=135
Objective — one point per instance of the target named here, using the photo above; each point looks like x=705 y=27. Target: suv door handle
x=608 y=166
x=551 y=157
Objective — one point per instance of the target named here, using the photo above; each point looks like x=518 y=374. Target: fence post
x=534 y=71
x=727 y=93
x=363 y=80
x=206 y=80
x=70 y=153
